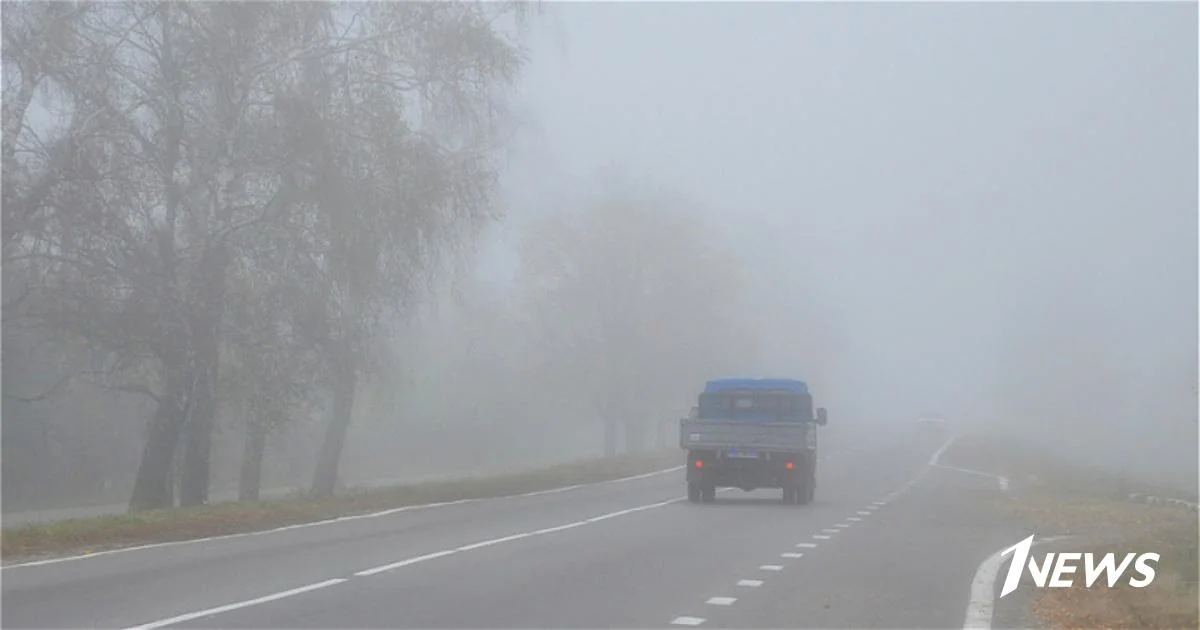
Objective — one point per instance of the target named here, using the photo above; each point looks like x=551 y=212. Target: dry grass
x=1093 y=507
x=87 y=535
x=1171 y=601
x=1168 y=603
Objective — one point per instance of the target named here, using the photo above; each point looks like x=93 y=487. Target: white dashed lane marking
x=838 y=527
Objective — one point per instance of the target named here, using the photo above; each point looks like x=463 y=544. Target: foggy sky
x=941 y=206
x=914 y=179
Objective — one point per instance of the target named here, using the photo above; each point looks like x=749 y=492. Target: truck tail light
x=790 y=465
x=699 y=463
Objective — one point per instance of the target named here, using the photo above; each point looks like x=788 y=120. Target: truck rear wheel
x=790 y=495
x=693 y=492
x=804 y=492
x=708 y=493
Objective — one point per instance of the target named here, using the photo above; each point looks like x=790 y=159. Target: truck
x=752 y=433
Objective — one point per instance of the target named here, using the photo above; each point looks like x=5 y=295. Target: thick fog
x=986 y=210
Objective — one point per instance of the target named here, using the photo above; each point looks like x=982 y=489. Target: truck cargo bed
x=762 y=436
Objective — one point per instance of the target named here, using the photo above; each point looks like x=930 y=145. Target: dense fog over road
x=986 y=210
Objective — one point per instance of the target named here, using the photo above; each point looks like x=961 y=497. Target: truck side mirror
x=822 y=416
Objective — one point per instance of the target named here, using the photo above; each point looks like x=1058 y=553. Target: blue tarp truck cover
x=755 y=400
x=788 y=385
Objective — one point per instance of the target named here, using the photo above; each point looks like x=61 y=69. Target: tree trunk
x=153 y=486
x=197 y=458
x=197 y=454
x=250 y=479
x=326 y=476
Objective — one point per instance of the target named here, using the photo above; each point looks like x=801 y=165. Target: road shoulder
x=1050 y=499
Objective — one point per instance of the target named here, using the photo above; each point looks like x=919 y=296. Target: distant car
x=933 y=422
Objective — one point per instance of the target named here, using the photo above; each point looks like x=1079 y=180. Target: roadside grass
x=1027 y=467
x=1170 y=602
x=1093 y=506
x=88 y=535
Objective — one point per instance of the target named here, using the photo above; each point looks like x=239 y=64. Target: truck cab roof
x=786 y=385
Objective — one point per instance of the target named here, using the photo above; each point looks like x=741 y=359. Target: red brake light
x=699 y=463
x=790 y=465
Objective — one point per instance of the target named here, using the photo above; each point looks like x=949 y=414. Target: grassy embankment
x=1093 y=506
x=88 y=535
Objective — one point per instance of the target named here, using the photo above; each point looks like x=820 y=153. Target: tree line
x=239 y=212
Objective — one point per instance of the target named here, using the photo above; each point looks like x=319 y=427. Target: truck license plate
x=743 y=453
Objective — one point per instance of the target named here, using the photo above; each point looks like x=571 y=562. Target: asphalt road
x=890 y=542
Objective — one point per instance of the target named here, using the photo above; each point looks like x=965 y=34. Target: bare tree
x=330 y=156
x=405 y=180
x=637 y=302
x=269 y=374
x=178 y=169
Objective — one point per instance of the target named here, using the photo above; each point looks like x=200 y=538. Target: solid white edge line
x=558 y=528
x=353 y=517
x=982 y=604
x=511 y=537
x=381 y=569
x=406 y=562
x=494 y=541
x=983 y=592
x=937 y=455
x=554 y=490
x=243 y=604
x=1001 y=480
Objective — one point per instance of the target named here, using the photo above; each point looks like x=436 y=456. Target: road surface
x=890 y=542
